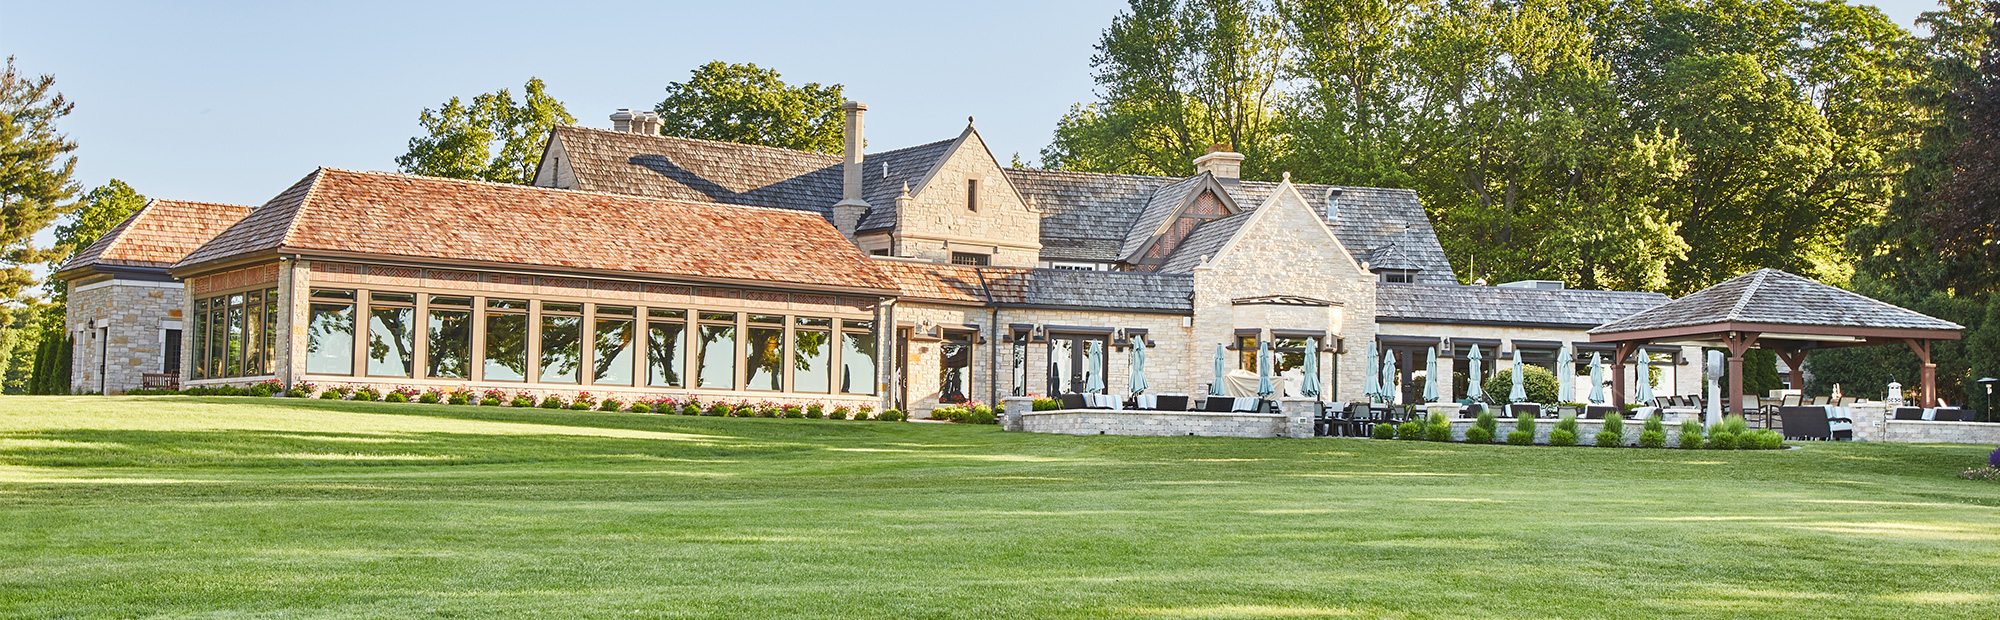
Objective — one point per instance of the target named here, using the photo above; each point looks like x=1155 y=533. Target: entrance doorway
x=1069 y=361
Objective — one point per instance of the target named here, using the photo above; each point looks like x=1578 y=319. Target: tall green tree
x=491 y=138
x=101 y=209
x=749 y=104
x=1347 y=120
x=1175 y=77
x=36 y=170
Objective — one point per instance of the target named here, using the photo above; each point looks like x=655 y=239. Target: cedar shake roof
x=951 y=283
x=1776 y=297
x=1499 y=305
x=1041 y=288
x=158 y=235
x=342 y=212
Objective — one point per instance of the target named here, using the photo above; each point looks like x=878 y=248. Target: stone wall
x=1921 y=431
x=1285 y=250
x=925 y=357
x=937 y=222
x=1155 y=423
x=1174 y=365
x=120 y=330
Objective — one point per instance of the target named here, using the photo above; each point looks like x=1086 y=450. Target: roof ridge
x=1743 y=300
x=766 y=147
x=292 y=224
x=381 y=173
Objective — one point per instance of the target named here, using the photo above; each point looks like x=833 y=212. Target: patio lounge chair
x=1909 y=413
x=1072 y=401
x=1247 y=404
x=1218 y=404
x=1172 y=402
x=1596 y=412
x=1955 y=414
x=1532 y=410
x=1806 y=423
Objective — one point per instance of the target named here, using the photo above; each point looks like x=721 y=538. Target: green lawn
x=254 y=508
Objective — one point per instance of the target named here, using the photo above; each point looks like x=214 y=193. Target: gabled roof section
x=1770 y=296
x=157 y=236
x=1167 y=204
x=1085 y=215
x=1497 y=305
x=884 y=175
x=1203 y=243
x=690 y=169
x=340 y=213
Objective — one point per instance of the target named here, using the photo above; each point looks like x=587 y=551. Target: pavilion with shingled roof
x=1780 y=312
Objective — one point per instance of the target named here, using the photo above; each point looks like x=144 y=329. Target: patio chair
x=1909 y=413
x=1171 y=402
x=1072 y=401
x=1516 y=410
x=1821 y=400
x=1218 y=404
x=1596 y=412
x=1473 y=410
x=1956 y=414
x=1846 y=401
x=1809 y=423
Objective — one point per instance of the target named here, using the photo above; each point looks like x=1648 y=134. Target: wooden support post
x=1738 y=342
x=1618 y=356
x=1796 y=360
x=1928 y=396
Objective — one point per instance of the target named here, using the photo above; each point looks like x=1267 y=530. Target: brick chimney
x=642 y=122
x=1222 y=161
x=847 y=213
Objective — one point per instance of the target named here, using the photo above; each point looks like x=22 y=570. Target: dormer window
x=972 y=195
x=1400 y=276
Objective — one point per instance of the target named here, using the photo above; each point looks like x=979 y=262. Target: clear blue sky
x=232 y=102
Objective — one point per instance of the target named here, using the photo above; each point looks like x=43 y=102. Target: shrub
x=459 y=397
x=1384 y=431
x=891 y=415
x=766 y=409
x=395 y=397
x=1413 y=429
x=330 y=395
x=640 y=406
x=1518 y=438
x=1653 y=439
x=1562 y=437
x=1478 y=434
x=718 y=409
x=1437 y=428
x=611 y=404
x=552 y=402
x=522 y=400
x=949 y=413
x=1613 y=434
x=583 y=402
x=1539 y=383
x=1719 y=439
x=267 y=387
x=1735 y=425
x=691 y=408
x=1487 y=421
x=1654 y=423
x=367 y=394
x=864 y=412
x=1761 y=439
x=1047 y=404
x=981 y=415
x=838 y=412
x=1525 y=424
x=1691 y=434
x=815 y=411
x=431 y=396
x=1567 y=423
x=499 y=395
x=304 y=389
x=793 y=411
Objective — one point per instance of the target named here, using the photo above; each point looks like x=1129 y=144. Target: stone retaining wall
x=1155 y=423
x=1922 y=431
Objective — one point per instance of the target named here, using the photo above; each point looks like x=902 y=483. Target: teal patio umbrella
x=1473 y=390
x=1371 y=383
x=1597 y=378
x=1431 y=375
x=1565 y=377
x=1644 y=394
x=1138 y=365
x=1389 y=376
x=1520 y=391
x=1093 y=380
x=1215 y=389
x=1264 y=369
x=1310 y=388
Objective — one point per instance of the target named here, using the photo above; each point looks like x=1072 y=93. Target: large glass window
x=812 y=353
x=506 y=340
x=612 y=354
x=218 y=335
x=1019 y=374
x=330 y=332
x=666 y=340
x=955 y=367
x=234 y=367
x=392 y=339
x=198 y=350
x=1246 y=352
x=448 y=349
x=271 y=307
x=717 y=368
x=562 y=335
x=1287 y=353
x=857 y=357
x=764 y=354
x=253 y=333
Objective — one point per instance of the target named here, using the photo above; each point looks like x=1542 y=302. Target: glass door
x=1070 y=369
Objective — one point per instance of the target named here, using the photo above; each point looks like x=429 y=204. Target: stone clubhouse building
x=642 y=265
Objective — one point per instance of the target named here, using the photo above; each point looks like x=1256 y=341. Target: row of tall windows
x=821 y=354
x=235 y=335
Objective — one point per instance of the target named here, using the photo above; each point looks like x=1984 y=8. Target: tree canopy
x=492 y=138
x=753 y=105
x=36 y=170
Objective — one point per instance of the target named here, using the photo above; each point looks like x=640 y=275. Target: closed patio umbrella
x=1597 y=378
x=1138 y=365
x=1431 y=375
x=1093 y=380
x=1520 y=391
x=1389 y=376
x=1264 y=369
x=1371 y=383
x=1565 y=377
x=1215 y=389
x=1644 y=394
x=1310 y=388
x=1473 y=390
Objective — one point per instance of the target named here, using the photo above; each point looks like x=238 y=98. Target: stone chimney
x=642 y=122
x=1222 y=161
x=847 y=213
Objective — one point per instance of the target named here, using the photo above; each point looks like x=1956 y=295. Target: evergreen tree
x=492 y=138
x=748 y=104
x=35 y=171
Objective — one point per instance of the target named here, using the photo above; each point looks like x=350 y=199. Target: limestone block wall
x=1920 y=431
x=937 y=220
x=120 y=329
x=925 y=356
x=1155 y=423
x=1685 y=379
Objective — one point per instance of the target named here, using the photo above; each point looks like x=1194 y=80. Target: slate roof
x=1495 y=305
x=1205 y=241
x=1371 y=218
x=343 y=212
x=905 y=165
x=157 y=236
x=1165 y=202
x=674 y=168
x=1125 y=290
x=1085 y=215
x=1773 y=296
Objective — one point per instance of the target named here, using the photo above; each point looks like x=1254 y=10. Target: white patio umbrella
x=1431 y=375
x=1712 y=408
x=1520 y=391
x=1093 y=381
x=1473 y=390
x=1215 y=389
x=1371 y=383
x=1565 y=376
x=1310 y=388
x=1138 y=365
x=1597 y=378
x=1644 y=394
x=1264 y=389
x=1389 y=392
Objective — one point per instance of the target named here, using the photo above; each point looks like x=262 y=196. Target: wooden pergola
x=1780 y=312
